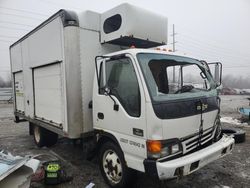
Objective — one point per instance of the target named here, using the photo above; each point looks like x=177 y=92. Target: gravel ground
x=231 y=171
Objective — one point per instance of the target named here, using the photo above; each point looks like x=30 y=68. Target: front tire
x=44 y=137
x=238 y=134
x=113 y=166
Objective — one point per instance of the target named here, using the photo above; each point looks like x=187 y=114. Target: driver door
x=118 y=105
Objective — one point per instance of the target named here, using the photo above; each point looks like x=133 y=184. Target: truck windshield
x=175 y=77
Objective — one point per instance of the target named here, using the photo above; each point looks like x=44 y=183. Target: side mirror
x=216 y=71
x=107 y=92
x=100 y=65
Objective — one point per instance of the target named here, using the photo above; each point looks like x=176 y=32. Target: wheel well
x=31 y=128
x=106 y=137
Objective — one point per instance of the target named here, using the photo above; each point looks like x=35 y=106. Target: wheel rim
x=37 y=134
x=112 y=166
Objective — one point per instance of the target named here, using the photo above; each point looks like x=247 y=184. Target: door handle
x=100 y=115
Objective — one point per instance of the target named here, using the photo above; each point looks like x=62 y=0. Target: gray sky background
x=214 y=30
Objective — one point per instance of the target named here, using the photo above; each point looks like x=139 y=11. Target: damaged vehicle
x=101 y=78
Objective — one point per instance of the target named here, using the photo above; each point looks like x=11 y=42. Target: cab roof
x=135 y=51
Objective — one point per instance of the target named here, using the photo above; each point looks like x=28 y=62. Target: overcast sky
x=213 y=30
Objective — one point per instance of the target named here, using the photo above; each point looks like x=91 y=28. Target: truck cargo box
x=46 y=75
x=53 y=66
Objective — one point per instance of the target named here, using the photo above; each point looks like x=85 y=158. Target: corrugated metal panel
x=9 y=163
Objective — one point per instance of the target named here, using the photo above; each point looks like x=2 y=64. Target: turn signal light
x=154 y=146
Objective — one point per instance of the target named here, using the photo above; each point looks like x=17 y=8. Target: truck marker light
x=154 y=146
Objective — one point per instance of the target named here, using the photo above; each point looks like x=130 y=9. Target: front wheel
x=113 y=166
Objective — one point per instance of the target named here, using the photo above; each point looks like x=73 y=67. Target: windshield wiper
x=185 y=88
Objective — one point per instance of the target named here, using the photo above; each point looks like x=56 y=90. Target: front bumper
x=189 y=163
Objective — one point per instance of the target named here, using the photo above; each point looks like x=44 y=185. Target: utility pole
x=173 y=35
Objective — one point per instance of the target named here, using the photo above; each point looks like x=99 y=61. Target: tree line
x=238 y=82
x=5 y=82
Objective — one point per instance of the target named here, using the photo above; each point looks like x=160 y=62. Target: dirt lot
x=231 y=171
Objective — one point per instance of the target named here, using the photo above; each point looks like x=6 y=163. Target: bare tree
x=238 y=82
x=1 y=82
x=8 y=82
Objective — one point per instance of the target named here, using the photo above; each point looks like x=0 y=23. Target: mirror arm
x=220 y=73
x=116 y=106
x=96 y=68
x=205 y=83
x=107 y=93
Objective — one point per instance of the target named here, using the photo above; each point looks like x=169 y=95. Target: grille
x=191 y=142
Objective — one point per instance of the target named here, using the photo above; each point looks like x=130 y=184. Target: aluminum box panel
x=46 y=45
x=19 y=91
x=16 y=58
x=137 y=26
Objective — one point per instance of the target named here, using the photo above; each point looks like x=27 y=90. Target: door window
x=119 y=76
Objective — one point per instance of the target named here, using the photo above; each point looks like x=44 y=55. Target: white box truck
x=100 y=78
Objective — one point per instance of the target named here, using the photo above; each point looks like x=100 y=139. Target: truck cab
x=160 y=109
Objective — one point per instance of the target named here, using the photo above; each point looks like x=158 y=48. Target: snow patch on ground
x=221 y=186
x=231 y=120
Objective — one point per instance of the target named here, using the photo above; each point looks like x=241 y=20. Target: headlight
x=163 y=148
x=175 y=148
